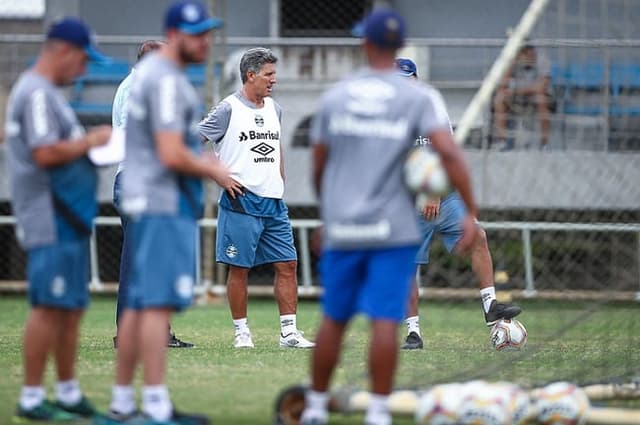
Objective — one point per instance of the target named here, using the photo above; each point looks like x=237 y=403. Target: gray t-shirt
x=49 y=203
x=214 y=126
x=369 y=122
x=161 y=99
x=525 y=73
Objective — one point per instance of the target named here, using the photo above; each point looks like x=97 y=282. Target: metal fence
x=521 y=253
x=594 y=107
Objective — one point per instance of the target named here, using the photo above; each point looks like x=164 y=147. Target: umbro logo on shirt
x=264 y=150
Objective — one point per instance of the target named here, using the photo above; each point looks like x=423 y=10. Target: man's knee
x=501 y=100
x=238 y=273
x=481 y=239
x=286 y=268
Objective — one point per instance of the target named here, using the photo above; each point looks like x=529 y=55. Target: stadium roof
x=29 y=9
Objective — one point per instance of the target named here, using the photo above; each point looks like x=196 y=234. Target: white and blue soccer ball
x=424 y=173
x=508 y=335
x=561 y=403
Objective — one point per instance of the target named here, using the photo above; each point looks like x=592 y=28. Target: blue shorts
x=245 y=240
x=375 y=282
x=163 y=261
x=448 y=225
x=58 y=275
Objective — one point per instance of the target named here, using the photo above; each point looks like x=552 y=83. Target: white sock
x=316 y=406
x=378 y=410
x=288 y=324
x=68 y=392
x=123 y=399
x=156 y=403
x=413 y=324
x=241 y=326
x=487 y=294
x=30 y=397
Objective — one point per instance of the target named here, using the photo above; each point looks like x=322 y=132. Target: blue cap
x=382 y=27
x=190 y=17
x=75 y=31
x=406 y=67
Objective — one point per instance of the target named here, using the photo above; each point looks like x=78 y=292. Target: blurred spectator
x=524 y=88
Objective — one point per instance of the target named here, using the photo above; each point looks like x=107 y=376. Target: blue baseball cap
x=190 y=17
x=383 y=27
x=74 y=31
x=406 y=67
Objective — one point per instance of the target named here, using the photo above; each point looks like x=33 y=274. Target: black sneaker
x=175 y=342
x=45 y=411
x=82 y=408
x=499 y=311
x=413 y=342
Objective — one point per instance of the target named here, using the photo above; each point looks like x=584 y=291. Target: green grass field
x=239 y=387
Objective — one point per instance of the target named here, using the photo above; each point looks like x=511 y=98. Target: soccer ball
x=486 y=405
x=424 y=173
x=561 y=403
x=439 y=405
x=508 y=335
x=517 y=401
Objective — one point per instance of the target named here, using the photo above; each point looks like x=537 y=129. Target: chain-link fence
x=586 y=175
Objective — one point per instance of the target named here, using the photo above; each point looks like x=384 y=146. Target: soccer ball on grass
x=508 y=335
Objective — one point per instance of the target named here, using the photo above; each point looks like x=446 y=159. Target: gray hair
x=254 y=59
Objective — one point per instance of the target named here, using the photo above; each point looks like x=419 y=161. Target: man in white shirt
x=254 y=228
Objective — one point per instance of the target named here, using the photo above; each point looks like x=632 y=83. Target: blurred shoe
x=499 y=311
x=295 y=340
x=177 y=418
x=82 y=408
x=45 y=411
x=175 y=342
x=114 y=418
x=413 y=342
x=243 y=340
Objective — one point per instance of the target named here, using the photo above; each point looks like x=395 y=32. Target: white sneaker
x=243 y=340
x=295 y=340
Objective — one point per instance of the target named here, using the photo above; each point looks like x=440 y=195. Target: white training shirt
x=251 y=147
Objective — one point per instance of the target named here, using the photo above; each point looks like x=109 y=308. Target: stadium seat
x=624 y=80
x=93 y=92
x=106 y=74
x=583 y=87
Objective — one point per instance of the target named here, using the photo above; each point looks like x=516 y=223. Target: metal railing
x=303 y=227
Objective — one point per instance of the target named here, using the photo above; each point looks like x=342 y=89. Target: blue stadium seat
x=625 y=79
x=108 y=75
x=98 y=73
x=581 y=79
